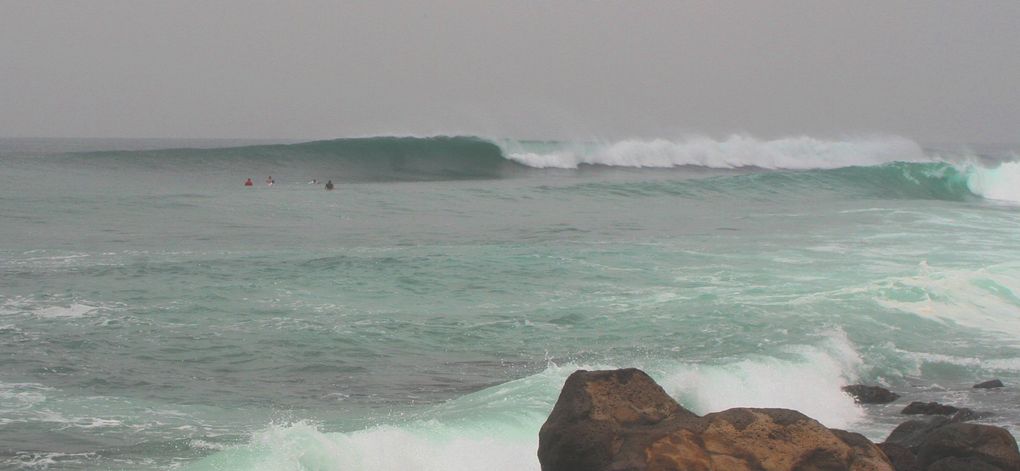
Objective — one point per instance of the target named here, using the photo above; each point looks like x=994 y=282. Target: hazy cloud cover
x=936 y=71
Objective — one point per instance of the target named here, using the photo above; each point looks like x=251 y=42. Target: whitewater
x=157 y=314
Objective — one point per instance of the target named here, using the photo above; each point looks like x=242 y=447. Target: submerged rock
x=864 y=394
x=994 y=383
x=929 y=408
x=621 y=420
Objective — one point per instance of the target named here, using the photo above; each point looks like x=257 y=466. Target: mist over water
x=155 y=313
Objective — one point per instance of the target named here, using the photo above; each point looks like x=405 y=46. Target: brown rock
x=764 y=439
x=597 y=414
x=622 y=421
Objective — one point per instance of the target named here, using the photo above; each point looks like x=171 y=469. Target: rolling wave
x=876 y=166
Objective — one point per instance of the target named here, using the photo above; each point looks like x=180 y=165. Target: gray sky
x=935 y=71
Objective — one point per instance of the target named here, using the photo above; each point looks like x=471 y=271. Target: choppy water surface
x=155 y=313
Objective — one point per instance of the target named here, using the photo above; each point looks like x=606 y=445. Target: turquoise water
x=155 y=313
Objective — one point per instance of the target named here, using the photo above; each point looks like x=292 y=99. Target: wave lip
x=736 y=151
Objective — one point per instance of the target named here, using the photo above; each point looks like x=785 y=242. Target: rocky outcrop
x=863 y=394
x=603 y=418
x=621 y=420
x=994 y=383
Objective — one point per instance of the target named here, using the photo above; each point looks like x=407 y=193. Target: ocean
x=157 y=314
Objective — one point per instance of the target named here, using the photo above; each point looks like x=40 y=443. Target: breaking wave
x=737 y=151
x=881 y=166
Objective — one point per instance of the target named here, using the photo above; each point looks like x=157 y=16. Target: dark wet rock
x=959 y=446
x=965 y=415
x=942 y=444
x=953 y=463
x=994 y=383
x=621 y=420
x=928 y=408
x=911 y=434
x=863 y=394
x=900 y=456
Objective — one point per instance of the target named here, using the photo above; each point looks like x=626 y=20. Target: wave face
x=356 y=159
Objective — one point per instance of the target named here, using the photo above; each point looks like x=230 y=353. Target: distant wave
x=468 y=156
x=737 y=151
x=881 y=166
x=354 y=159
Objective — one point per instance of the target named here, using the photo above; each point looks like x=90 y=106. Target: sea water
x=155 y=313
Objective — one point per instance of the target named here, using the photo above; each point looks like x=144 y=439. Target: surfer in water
x=248 y=182
x=269 y=180
x=329 y=185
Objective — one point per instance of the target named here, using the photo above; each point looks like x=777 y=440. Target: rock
x=963 y=446
x=596 y=417
x=966 y=414
x=994 y=383
x=953 y=463
x=900 y=456
x=930 y=408
x=863 y=394
x=622 y=421
x=762 y=439
x=911 y=434
x=941 y=444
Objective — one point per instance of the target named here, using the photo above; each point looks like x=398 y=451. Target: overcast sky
x=935 y=71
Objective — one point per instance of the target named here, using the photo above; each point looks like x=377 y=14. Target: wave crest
x=736 y=151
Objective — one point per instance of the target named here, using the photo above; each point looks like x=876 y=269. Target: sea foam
x=496 y=429
x=736 y=151
x=807 y=378
x=999 y=183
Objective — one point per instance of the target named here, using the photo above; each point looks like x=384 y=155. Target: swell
x=892 y=167
x=354 y=159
